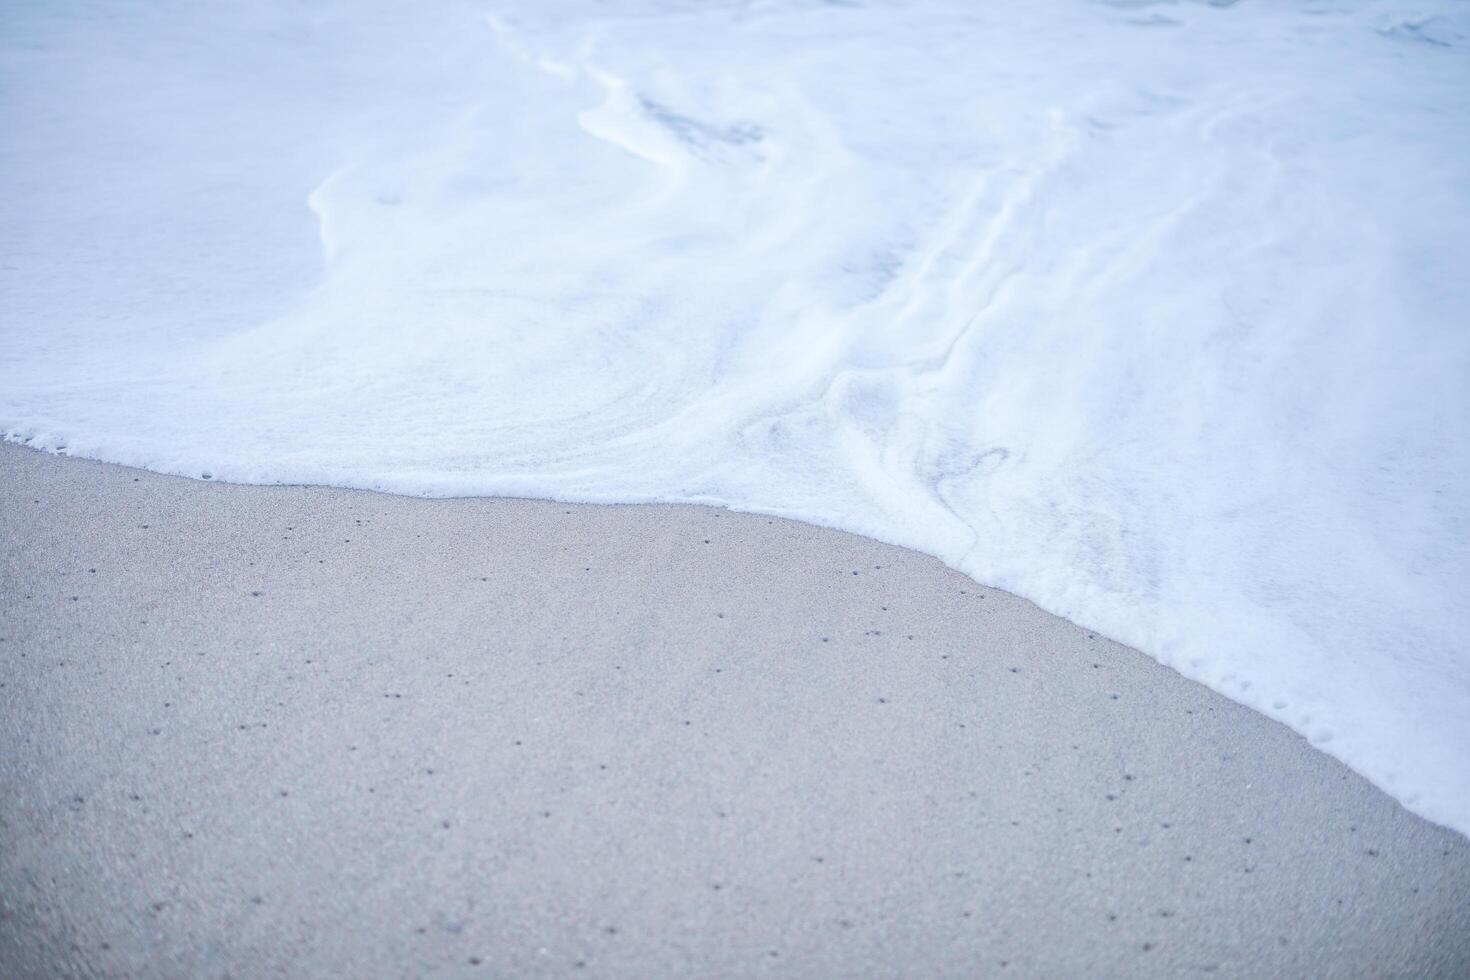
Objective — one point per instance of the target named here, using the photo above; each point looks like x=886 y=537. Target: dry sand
x=279 y=731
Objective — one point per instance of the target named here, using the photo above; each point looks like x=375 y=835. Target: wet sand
x=261 y=731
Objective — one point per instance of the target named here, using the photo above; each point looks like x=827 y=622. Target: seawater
x=1154 y=313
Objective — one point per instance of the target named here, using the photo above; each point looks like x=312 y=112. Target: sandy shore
x=261 y=731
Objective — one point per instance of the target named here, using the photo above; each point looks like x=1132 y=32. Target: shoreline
x=332 y=731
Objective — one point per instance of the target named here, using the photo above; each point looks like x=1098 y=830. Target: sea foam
x=1154 y=313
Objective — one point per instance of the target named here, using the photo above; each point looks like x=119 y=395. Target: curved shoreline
x=339 y=732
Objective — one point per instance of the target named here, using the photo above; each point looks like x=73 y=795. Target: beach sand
x=290 y=731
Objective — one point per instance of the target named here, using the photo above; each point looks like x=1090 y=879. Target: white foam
x=1154 y=313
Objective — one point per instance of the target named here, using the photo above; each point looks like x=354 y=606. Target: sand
x=291 y=731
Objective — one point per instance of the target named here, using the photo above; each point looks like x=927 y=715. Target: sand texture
x=282 y=731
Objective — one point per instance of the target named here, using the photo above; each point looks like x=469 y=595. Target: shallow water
x=1153 y=313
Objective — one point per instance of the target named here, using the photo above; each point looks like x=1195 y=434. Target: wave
x=1151 y=313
